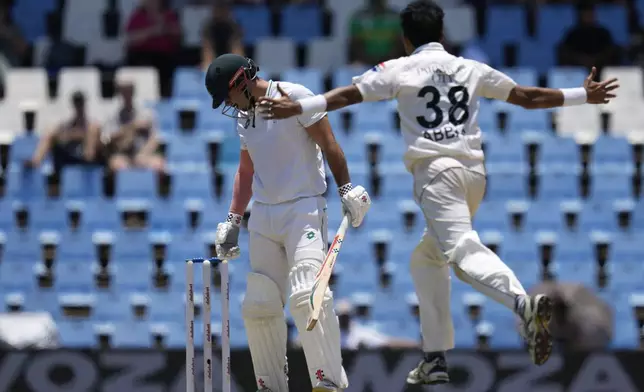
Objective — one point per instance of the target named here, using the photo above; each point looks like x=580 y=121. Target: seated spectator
x=13 y=47
x=375 y=34
x=130 y=137
x=221 y=34
x=355 y=335
x=154 y=39
x=73 y=142
x=588 y=43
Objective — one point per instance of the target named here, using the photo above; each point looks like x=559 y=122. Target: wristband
x=344 y=189
x=314 y=104
x=235 y=219
x=574 y=96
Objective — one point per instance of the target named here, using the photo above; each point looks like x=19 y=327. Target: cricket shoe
x=536 y=315
x=326 y=386
x=432 y=372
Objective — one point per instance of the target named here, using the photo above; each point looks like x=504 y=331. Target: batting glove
x=355 y=201
x=227 y=237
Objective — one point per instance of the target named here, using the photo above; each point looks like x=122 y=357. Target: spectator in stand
x=588 y=43
x=357 y=334
x=130 y=136
x=375 y=34
x=154 y=39
x=13 y=47
x=73 y=142
x=221 y=34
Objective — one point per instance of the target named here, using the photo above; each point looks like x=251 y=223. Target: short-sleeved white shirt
x=288 y=163
x=438 y=100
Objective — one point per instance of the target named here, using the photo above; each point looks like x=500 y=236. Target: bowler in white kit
x=438 y=102
x=282 y=168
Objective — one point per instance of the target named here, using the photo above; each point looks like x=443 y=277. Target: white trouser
x=287 y=247
x=449 y=192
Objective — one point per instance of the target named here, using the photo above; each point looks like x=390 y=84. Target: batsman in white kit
x=438 y=102
x=282 y=167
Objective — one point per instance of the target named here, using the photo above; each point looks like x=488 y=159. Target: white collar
x=429 y=46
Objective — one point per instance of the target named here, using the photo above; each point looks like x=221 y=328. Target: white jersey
x=288 y=163
x=438 y=100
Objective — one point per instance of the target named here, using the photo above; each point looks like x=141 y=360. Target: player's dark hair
x=422 y=22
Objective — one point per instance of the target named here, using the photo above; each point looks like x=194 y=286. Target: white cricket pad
x=321 y=345
x=266 y=331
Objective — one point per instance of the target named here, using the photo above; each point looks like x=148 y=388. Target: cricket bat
x=322 y=278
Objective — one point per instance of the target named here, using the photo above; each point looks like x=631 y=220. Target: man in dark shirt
x=588 y=43
x=72 y=142
x=221 y=34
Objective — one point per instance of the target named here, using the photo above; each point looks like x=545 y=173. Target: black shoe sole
x=543 y=339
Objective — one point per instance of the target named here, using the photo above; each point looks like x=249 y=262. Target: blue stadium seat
x=611 y=186
x=168 y=216
x=582 y=272
x=165 y=306
x=7 y=217
x=558 y=186
x=136 y=184
x=559 y=154
x=301 y=23
x=132 y=276
x=133 y=247
x=166 y=117
x=308 y=77
x=638 y=216
x=535 y=54
x=597 y=216
x=492 y=215
x=188 y=83
x=566 y=77
x=76 y=333
x=17 y=275
x=506 y=186
x=522 y=75
x=627 y=247
x=186 y=149
x=574 y=247
x=544 y=215
x=612 y=152
x=22 y=149
x=373 y=116
x=100 y=214
x=76 y=246
x=528 y=120
x=626 y=275
x=519 y=247
x=255 y=22
x=506 y=24
x=80 y=182
x=74 y=276
x=26 y=184
x=21 y=247
x=505 y=153
x=47 y=215
x=210 y=119
x=553 y=21
x=113 y=306
x=615 y=19
x=343 y=75
x=131 y=334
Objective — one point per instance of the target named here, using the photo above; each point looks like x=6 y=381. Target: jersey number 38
x=458 y=97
